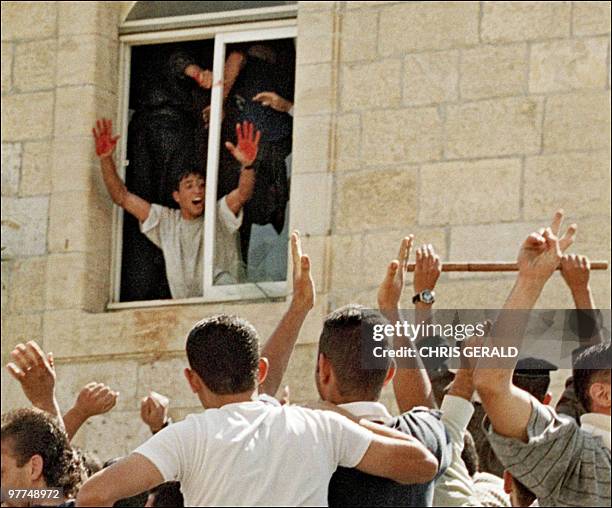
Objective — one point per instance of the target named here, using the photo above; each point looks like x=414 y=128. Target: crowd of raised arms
x=474 y=437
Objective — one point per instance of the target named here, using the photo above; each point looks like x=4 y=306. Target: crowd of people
x=480 y=436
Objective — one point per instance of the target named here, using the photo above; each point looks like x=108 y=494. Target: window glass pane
x=261 y=95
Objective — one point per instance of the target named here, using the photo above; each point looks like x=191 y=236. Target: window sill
x=253 y=293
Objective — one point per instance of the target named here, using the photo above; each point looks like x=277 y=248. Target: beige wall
x=466 y=123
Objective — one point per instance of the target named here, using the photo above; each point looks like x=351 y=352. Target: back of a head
x=591 y=366
x=224 y=351
x=30 y=432
x=533 y=376
x=469 y=454
x=340 y=343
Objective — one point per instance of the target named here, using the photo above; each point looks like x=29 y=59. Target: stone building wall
x=465 y=123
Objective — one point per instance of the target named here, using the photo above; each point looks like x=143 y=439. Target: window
x=263 y=247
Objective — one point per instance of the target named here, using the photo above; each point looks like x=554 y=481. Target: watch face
x=427 y=296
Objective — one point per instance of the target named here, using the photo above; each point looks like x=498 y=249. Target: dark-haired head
x=340 y=374
x=224 y=353
x=36 y=453
x=591 y=374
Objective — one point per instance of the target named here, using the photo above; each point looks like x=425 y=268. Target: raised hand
x=95 y=399
x=245 y=151
x=576 y=271
x=154 y=411
x=303 y=285
x=427 y=269
x=273 y=100
x=390 y=290
x=103 y=135
x=35 y=372
x=541 y=252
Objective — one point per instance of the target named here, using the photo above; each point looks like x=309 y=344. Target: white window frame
x=223 y=35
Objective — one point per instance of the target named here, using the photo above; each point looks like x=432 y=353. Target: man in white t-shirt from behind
x=179 y=233
x=243 y=451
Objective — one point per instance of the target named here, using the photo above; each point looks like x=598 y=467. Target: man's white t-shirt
x=254 y=453
x=182 y=243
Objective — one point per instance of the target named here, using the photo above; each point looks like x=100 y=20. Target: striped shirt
x=562 y=464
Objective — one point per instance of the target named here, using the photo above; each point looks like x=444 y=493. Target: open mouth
x=197 y=201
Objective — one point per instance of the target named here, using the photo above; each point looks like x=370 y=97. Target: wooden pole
x=496 y=266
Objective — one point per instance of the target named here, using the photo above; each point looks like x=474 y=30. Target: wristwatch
x=425 y=296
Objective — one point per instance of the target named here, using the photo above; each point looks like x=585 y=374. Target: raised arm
x=280 y=345
x=93 y=399
x=126 y=478
x=538 y=258
x=245 y=152
x=35 y=371
x=411 y=383
x=105 y=146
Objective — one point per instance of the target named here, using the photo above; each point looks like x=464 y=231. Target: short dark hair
x=90 y=461
x=168 y=494
x=590 y=366
x=340 y=343
x=224 y=351
x=535 y=385
x=184 y=174
x=30 y=432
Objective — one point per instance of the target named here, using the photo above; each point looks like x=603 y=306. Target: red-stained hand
x=103 y=134
x=248 y=138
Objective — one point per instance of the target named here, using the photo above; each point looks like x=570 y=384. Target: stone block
x=418 y=26
x=11 y=168
x=36 y=169
x=66 y=281
x=12 y=394
x=494 y=71
x=348 y=142
x=7 y=67
x=593 y=240
x=7 y=273
x=404 y=135
x=578 y=182
x=371 y=85
x=20 y=328
x=318 y=250
x=77 y=107
x=88 y=60
x=472 y=293
x=380 y=248
x=358 y=35
x=470 y=192
x=494 y=128
x=99 y=434
x=79 y=18
x=521 y=21
x=27 y=116
x=591 y=18
x=431 y=78
x=34 y=66
x=375 y=199
x=577 y=122
x=73 y=164
x=311 y=144
x=300 y=374
x=24 y=226
x=313 y=89
x=560 y=66
x=27 y=293
x=166 y=377
x=311 y=203
x=28 y=20
x=68 y=221
x=119 y=375
x=315 y=40
x=346 y=261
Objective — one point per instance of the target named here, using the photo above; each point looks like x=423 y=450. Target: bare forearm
x=279 y=347
x=233 y=65
x=462 y=385
x=115 y=186
x=583 y=298
x=73 y=420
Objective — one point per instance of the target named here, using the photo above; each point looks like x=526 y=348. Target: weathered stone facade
x=466 y=123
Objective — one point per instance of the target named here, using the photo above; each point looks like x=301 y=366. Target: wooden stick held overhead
x=496 y=266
